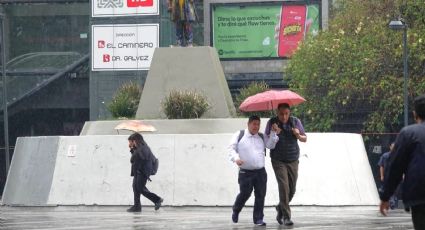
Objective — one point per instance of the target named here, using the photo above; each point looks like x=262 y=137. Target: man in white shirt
x=247 y=150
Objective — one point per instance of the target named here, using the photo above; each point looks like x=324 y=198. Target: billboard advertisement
x=262 y=31
x=123 y=46
x=113 y=8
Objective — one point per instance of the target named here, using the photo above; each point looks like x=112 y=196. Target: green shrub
x=184 y=104
x=125 y=101
x=355 y=67
x=250 y=90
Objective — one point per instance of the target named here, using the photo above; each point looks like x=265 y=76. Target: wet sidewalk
x=101 y=217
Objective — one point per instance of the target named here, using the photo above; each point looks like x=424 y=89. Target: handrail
x=24 y=57
x=59 y=74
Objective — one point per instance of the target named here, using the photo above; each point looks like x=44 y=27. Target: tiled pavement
x=107 y=217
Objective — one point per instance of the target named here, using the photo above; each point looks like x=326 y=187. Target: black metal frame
x=39 y=1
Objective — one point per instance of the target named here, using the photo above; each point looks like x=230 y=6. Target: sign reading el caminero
x=267 y=30
x=113 y=8
x=123 y=46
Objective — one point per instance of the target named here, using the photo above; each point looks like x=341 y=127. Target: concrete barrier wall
x=175 y=126
x=194 y=170
x=31 y=171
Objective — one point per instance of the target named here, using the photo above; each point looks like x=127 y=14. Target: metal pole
x=405 y=92
x=5 y=113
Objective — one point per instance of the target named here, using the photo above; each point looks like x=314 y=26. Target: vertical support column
x=5 y=112
x=405 y=92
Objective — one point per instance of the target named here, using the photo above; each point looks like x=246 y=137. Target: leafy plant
x=250 y=90
x=354 y=69
x=125 y=101
x=185 y=104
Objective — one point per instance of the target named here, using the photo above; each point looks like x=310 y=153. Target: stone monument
x=183 y=68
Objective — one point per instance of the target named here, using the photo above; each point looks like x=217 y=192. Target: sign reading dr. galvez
x=123 y=46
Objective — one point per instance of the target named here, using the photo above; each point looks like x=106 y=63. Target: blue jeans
x=184 y=33
x=394 y=198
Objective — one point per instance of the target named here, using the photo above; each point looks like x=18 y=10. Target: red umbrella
x=269 y=100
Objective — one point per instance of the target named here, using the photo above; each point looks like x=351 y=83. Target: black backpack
x=153 y=160
x=155 y=165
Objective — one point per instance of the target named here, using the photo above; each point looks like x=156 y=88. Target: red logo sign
x=291 y=29
x=101 y=44
x=137 y=3
x=106 y=58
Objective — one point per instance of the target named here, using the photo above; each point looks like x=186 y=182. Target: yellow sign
x=292 y=29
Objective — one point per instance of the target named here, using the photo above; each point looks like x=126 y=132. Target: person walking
x=284 y=158
x=383 y=164
x=408 y=159
x=141 y=168
x=247 y=150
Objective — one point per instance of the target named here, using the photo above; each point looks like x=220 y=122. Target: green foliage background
x=250 y=90
x=355 y=68
x=185 y=104
x=125 y=102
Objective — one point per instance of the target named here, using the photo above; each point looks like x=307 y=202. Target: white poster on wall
x=123 y=46
x=113 y=8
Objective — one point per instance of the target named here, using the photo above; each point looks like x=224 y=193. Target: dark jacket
x=287 y=149
x=408 y=158
x=141 y=158
x=186 y=12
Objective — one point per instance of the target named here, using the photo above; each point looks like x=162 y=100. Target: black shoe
x=279 y=215
x=260 y=223
x=288 y=222
x=235 y=217
x=135 y=208
x=158 y=204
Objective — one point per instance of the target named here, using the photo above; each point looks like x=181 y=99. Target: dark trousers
x=184 y=32
x=418 y=216
x=139 y=187
x=252 y=180
x=286 y=176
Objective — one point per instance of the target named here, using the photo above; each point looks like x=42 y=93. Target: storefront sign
x=123 y=47
x=112 y=8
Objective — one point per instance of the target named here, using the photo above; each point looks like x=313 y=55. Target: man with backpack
x=247 y=150
x=285 y=157
x=143 y=165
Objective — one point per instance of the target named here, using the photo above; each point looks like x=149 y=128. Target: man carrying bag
x=142 y=167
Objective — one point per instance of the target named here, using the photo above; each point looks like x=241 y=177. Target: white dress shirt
x=250 y=149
